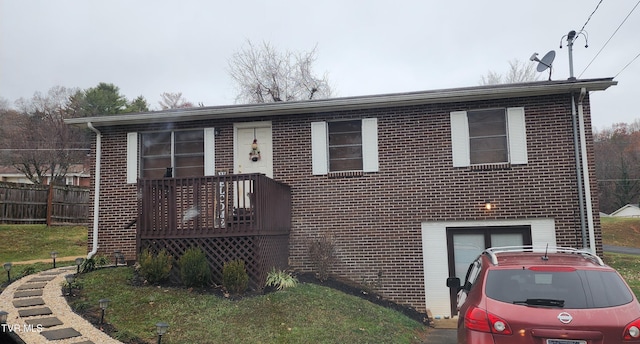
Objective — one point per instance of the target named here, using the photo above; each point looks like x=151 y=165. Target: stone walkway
x=39 y=313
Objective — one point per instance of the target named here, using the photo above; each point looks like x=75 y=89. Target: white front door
x=253 y=153
x=246 y=159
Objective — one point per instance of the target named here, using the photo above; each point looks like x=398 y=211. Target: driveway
x=621 y=249
x=441 y=336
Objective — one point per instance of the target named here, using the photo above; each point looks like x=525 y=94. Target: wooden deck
x=234 y=216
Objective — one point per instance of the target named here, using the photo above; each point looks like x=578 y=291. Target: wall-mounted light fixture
x=489 y=206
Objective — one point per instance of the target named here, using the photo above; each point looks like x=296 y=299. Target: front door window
x=464 y=244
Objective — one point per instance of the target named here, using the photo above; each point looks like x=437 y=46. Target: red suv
x=547 y=295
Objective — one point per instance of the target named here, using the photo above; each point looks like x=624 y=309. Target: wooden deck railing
x=215 y=206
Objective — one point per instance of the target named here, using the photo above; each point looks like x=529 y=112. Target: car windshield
x=565 y=288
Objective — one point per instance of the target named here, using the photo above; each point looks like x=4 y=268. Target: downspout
x=585 y=173
x=576 y=145
x=96 y=192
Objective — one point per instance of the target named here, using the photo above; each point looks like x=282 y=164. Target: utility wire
x=625 y=67
x=607 y=42
x=591 y=15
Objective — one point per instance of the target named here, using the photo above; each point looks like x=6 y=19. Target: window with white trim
x=488 y=136
x=186 y=152
x=343 y=146
x=182 y=151
x=492 y=136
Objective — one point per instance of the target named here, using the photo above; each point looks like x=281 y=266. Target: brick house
x=410 y=187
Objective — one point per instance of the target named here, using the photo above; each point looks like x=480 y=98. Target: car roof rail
x=494 y=251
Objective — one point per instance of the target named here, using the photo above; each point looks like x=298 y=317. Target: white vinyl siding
x=516 y=139
x=320 y=146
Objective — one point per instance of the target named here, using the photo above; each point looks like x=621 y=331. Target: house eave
x=348 y=103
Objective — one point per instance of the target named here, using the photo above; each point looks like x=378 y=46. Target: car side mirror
x=453 y=282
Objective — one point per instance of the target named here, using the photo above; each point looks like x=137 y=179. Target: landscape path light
x=7 y=268
x=79 y=262
x=69 y=279
x=54 y=255
x=104 y=303
x=116 y=255
x=161 y=329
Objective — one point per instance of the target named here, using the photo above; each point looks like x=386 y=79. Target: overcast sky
x=147 y=47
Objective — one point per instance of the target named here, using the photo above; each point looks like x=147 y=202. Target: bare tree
x=518 y=72
x=173 y=101
x=617 y=163
x=38 y=143
x=265 y=75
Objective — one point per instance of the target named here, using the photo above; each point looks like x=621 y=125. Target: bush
x=194 y=268
x=322 y=255
x=234 y=277
x=280 y=279
x=93 y=263
x=155 y=268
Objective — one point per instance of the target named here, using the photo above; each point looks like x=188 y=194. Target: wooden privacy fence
x=43 y=204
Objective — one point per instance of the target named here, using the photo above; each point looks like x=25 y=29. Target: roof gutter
x=347 y=103
x=96 y=192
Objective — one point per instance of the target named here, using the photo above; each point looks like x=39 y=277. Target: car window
x=472 y=274
x=578 y=289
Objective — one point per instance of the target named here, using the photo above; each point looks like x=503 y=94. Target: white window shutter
x=209 y=151
x=319 y=147
x=460 y=139
x=132 y=157
x=517 y=136
x=370 y=145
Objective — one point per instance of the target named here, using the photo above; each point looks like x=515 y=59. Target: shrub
x=155 y=268
x=234 y=277
x=93 y=263
x=280 y=279
x=194 y=268
x=322 y=255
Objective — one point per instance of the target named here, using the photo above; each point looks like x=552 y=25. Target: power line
x=591 y=15
x=625 y=67
x=607 y=42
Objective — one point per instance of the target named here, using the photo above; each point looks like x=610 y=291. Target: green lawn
x=628 y=266
x=28 y=242
x=307 y=313
x=620 y=231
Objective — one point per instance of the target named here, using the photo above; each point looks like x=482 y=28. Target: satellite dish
x=546 y=61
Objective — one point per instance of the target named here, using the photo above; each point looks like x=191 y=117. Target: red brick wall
x=375 y=219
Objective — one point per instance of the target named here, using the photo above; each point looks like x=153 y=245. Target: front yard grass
x=28 y=242
x=308 y=313
x=628 y=266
